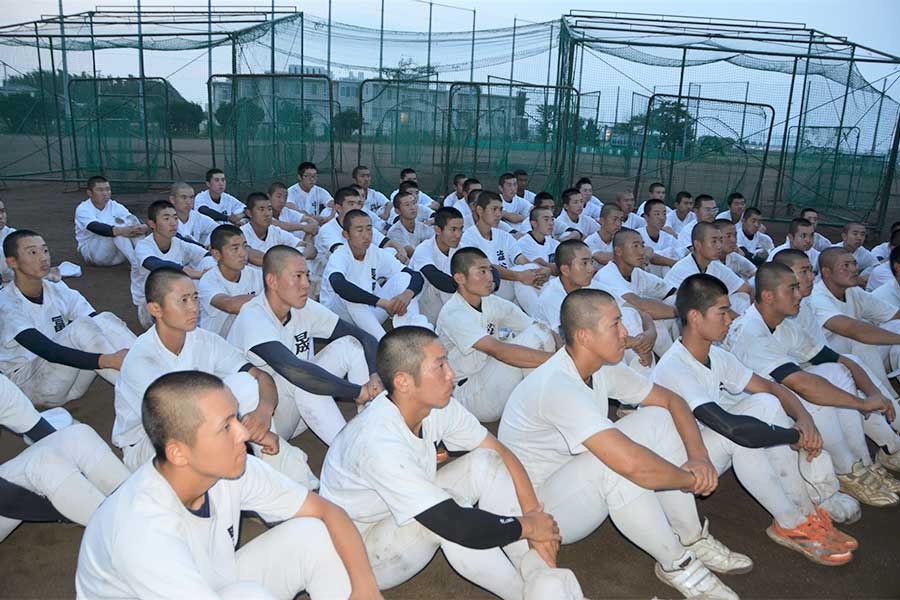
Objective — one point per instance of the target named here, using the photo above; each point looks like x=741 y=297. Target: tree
x=346 y=122
x=588 y=132
x=711 y=144
x=407 y=69
x=546 y=121
x=185 y=117
x=289 y=113
x=20 y=113
x=246 y=113
x=670 y=121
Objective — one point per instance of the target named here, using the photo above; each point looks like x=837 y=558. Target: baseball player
x=64 y=474
x=261 y=234
x=736 y=206
x=753 y=243
x=382 y=470
x=192 y=226
x=537 y=245
x=683 y=214
x=307 y=197
x=800 y=237
x=541 y=200
x=592 y=204
x=163 y=248
x=425 y=200
x=171 y=530
x=750 y=432
x=522 y=190
x=600 y=242
x=225 y=288
x=731 y=255
x=472 y=188
x=52 y=341
x=366 y=284
x=470 y=326
x=6 y=274
x=331 y=234
x=820 y=242
x=704 y=212
x=216 y=203
x=423 y=211
x=459 y=192
x=515 y=272
x=584 y=467
x=174 y=343
x=853 y=236
x=515 y=209
x=625 y=201
x=889 y=291
x=373 y=200
x=882 y=273
x=628 y=283
x=105 y=232
x=706 y=249
x=666 y=249
x=276 y=331
x=408 y=231
x=302 y=226
x=655 y=191
x=572 y=223
x=432 y=259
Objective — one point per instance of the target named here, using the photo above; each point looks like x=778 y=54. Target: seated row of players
x=470 y=283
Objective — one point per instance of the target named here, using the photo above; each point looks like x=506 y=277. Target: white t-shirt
x=331 y=234
x=879 y=276
x=214 y=283
x=451 y=199
x=289 y=215
x=665 y=244
x=529 y=247
x=865 y=260
x=687 y=266
x=726 y=214
x=676 y=224
x=642 y=284
x=257 y=324
x=592 y=208
x=518 y=206
x=741 y=266
x=596 y=243
x=812 y=254
x=500 y=249
x=755 y=244
x=564 y=224
x=400 y=234
x=698 y=384
x=113 y=214
x=460 y=326
x=275 y=236
x=634 y=222
x=881 y=252
x=889 y=293
x=61 y=305
x=550 y=302
x=643 y=206
x=376 y=267
x=312 y=202
x=198 y=227
x=551 y=413
x=763 y=350
x=6 y=273
x=424 y=199
x=375 y=201
x=684 y=236
x=527 y=196
x=144 y=543
x=857 y=304
x=227 y=203
x=148 y=359
x=377 y=467
x=180 y=252
x=427 y=253
x=17 y=413
x=820 y=242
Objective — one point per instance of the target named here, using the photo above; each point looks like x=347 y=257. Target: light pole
x=431 y=6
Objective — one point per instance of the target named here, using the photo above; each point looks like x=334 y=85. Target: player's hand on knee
x=112 y=361
x=546 y=550
x=257 y=424
x=375 y=384
x=270 y=444
x=878 y=403
x=538 y=526
x=705 y=476
x=810 y=440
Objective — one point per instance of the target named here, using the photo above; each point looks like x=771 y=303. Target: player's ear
x=402 y=381
x=176 y=453
x=154 y=309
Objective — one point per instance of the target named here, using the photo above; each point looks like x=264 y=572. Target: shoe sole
x=849 y=492
x=800 y=550
x=737 y=571
x=656 y=571
x=887 y=466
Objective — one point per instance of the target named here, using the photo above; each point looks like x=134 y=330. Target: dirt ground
x=38 y=560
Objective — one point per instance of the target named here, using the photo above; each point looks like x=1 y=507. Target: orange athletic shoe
x=847 y=541
x=812 y=540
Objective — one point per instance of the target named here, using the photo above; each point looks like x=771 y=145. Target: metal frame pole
x=37 y=45
x=428 y=59
x=779 y=183
x=328 y=50
x=744 y=114
x=278 y=162
x=888 y=182
x=209 y=94
x=59 y=134
x=837 y=146
x=801 y=118
x=472 y=58
x=96 y=105
x=142 y=91
x=878 y=116
x=381 y=43
x=62 y=48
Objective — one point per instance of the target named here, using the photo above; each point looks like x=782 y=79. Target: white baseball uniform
x=226 y=204
x=191 y=554
x=688 y=266
x=431 y=300
x=880 y=275
x=312 y=202
x=812 y=254
x=881 y=252
x=6 y=272
x=483 y=383
x=275 y=236
x=181 y=253
x=677 y=225
x=531 y=249
x=518 y=206
x=403 y=236
x=213 y=284
x=500 y=250
x=741 y=266
x=584 y=225
x=633 y=221
x=756 y=244
x=101 y=250
x=888 y=292
x=592 y=208
x=665 y=245
x=198 y=227
x=64 y=317
x=289 y=215
x=257 y=324
x=331 y=234
x=865 y=260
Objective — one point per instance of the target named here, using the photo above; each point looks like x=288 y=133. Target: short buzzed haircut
x=622 y=235
x=700 y=231
x=169 y=409
x=276 y=257
x=543 y=196
x=357 y=170
x=722 y=224
x=506 y=177
x=682 y=195
x=255 y=198
x=222 y=234
x=93 y=181
x=344 y=193
x=399 y=196
x=829 y=256
x=734 y=196
x=769 y=276
x=520 y=172
x=159 y=282
x=608 y=209
x=703 y=198
x=445 y=214
x=580 y=310
x=565 y=252
x=486 y=197
x=698 y=292
x=464 y=258
x=401 y=351
x=751 y=211
x=790 y=257
x=847 y=226
x=650 y=204
x=211 y=172
x=407 y=171
x=354 y=214
x=11 y=243
x=533 y=213
x=459 y=177
x=306 y=166
x=568 y=194
x=655 y=186
x=583 y=181
x=807 y=209
x=468 y=183
x=178 y=186
x=275 y=186
x=406 y=186
x=796 y=224
x=157 y=207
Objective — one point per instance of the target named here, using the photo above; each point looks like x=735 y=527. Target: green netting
x=120 y=127
x=264 y=126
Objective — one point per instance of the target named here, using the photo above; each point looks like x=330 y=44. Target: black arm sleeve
x=438 y=279
x=212 y=214
x=384 y=242
x=40 y=430
x=305 y=375
x=416 y=281
x=38 y=343
x=185 y=238
x=784 y=371
x=745 y=431
x=350 y=291
x=152 y=263
x=497 y=278
x=23 y=505
x=825 y=355
x=368 y=341
x=100 y=228
x=470 y=527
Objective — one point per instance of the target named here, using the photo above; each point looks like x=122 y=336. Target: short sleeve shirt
x=180 y=252
x=687 y=266
x=857 y=304
x=500 y=249
x=312 y=202
x=376 y=267
x=642 y=284
x=113 y=214
x=17 y=413
x=564 y=224
x=227 y=203
x=697 y=383
x=213 y=283
x=197 y=228
x=275 y=236
x=405 y=237
x=764 y=350
x=531 y=249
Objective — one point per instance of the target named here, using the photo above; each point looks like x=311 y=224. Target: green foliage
x=346 y=122
x=185 y=118
x=669 y=121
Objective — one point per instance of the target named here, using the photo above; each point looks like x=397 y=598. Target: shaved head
x=170 y=409
x=402 y=350
x=790 y=257
x=178 y=186
x=160 y=281
x=829 y=256
x=566 y=252
x=277 y=257
x=623 y=235
x=581 y=310
x=771 y=275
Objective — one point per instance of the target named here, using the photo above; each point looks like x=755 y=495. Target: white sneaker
x=716 y=555
x=694 y=580
x=891 y=461
x=842 y=507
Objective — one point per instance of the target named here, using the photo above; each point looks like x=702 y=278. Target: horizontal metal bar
x=799 y=41
x=711 y=20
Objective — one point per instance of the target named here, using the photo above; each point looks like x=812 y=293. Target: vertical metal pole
x=209 y=94
x=96 y=103
x=512 y=58
x=303 y=83
x=837 y=146
x=272 y=49
x=142 y=92
x=784 y=142
x=744 y=114
x=472 y=57
x=888 y=182
x=428 y=60
x=801 y=118
x=234 y=103
x=276 y=156
x=59 y=134
x=44 y=115
x=672 y=153
x=878 y=116
x=328 y=51
x=381 y=44
x=62 y=48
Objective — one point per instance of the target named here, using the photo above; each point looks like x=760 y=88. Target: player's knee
x=485 y=462
x=767 y=407
x=839 y=375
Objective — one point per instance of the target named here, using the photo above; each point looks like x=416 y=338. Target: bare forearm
x=651 y=306
x=602 y=257
x=231 y=304
x=520 y=356
x=864 y=332
x=819 y=390
x=862 y=380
